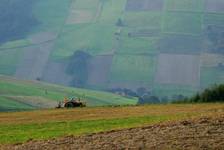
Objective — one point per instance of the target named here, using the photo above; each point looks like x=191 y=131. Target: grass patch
x=129 y=45
x=186 y=23
x=21 y=133
x=8 y=104
x=136 y=45
x=143 y=19
x=12 y=87
x=17 y=43
x=9 y=60
x=94 y=38
x=112 y=10
x=51 y=14
x=171 y=90
x=133 y=68
x=86 y=4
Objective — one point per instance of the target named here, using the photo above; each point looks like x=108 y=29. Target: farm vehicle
x=71 y=103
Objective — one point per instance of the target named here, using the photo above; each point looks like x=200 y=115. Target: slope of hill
x=23 y=95
x=133 y=43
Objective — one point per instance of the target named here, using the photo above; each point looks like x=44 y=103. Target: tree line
x=209 y=95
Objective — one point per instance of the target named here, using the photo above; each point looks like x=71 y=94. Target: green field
x=136 y=44
x=143 y=19
x=179 y=23
x=9 y=60
x=17 y=95
x=130 y=68
x=98 y=39
x=51 y=14
x=164 y=90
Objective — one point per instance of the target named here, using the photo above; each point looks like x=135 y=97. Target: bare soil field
x=185 y=72
x=203 y=133
x=180 y=44
x=211 y=59
x=214 y=5
x=34 y=61
x=99 y=69
x=55 y=72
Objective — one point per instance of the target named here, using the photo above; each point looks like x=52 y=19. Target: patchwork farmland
x=162 y=45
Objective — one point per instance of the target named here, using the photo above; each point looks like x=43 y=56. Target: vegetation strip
x=21 y=133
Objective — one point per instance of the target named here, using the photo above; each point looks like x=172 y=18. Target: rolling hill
x=28 y=95
x=169 y=47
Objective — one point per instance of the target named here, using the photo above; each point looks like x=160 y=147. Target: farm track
x=202 y=133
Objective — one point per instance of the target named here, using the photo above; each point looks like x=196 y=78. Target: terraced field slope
x=28 y=95
x=167 y=46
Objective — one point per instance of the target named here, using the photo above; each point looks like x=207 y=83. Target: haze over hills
x=168 y=47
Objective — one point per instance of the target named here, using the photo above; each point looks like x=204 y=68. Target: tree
x=148 y=99
x=213 y=94
x=77 y=68
x=129 y=92
x=119 y=23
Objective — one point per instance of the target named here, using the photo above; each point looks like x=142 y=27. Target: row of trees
x=144 y=96
x=213 y=94
x=209 y=95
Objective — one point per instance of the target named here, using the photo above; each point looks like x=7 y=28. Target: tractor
x=72 y=103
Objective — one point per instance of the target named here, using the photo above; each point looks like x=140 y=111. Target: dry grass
x=80 y=114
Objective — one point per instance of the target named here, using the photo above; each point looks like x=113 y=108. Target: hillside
x=132 y=43
x=27 y=95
